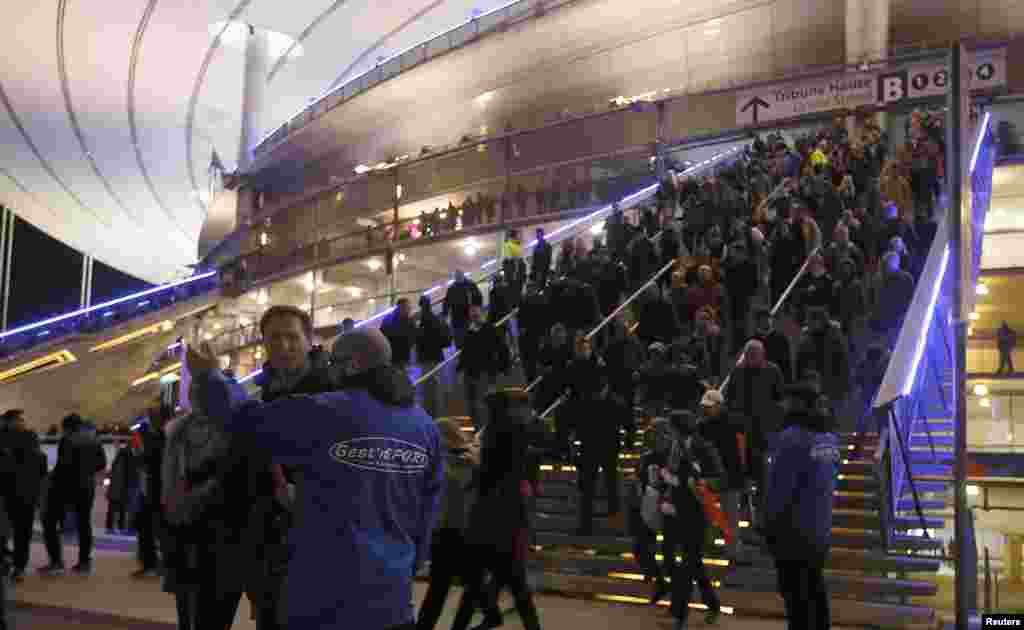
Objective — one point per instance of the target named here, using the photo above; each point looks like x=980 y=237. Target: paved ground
x=112 y=600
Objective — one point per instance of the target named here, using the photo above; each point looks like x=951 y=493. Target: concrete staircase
x=869 y=585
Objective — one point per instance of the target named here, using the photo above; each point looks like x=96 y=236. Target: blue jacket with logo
x=372 y=474
x=798 y=494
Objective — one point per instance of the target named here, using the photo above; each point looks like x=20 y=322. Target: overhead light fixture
x=401 y=257
x=264 y=239
x=398 y=191
x=361 y=169
x=373 y=264
x=980 y=390
x=208 y=336
x=309 y=281
x=49 y=361
x=153 y=329
x=972 y=491
x=262 y=297
x=982 y=289
x=366 y=223
x=217 y=326
x=484 y=98
x=985 y=402
x=354 y=291
x=974 y=317
x=243 y=321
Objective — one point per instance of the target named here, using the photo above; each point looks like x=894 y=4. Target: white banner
x=783 y=101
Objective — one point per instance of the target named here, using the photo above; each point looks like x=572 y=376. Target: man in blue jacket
x=372 y=472
x=798 y=508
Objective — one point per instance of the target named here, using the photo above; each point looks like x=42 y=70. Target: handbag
x=650 y=509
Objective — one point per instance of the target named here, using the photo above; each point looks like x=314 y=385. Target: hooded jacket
x=79 y=457
x=798 y=494
x=373 y=474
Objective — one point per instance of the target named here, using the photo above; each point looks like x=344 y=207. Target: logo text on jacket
x=381 y=454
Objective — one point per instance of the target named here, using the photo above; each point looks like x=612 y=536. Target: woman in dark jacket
x=499 y=520
x=124 y=491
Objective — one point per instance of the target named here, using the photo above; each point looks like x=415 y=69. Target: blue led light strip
x=127 y=298
x=930 y=315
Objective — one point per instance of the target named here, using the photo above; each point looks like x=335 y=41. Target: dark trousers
x=802 y=587
x=22 y=515
x=507 y=572
x=146 y=527
x=688 y=532
x=645 y=540
x=206 y=609
x=59 y=503
x=449 y=559
x=1005 y=362
x=117 y=514
x=603 y=455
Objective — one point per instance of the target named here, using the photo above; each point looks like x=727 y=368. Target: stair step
x=933 y=427
x=766 y=602
x=932 y=469
x=927 y=487
x=856 y=483
x=911 y=521
x=856 y=519
x=927 y=456
x=922 y=440
x=927 y=505
x=569 y=559
x=855 y=501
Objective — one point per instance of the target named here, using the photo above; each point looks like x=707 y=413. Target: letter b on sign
x=892 y=87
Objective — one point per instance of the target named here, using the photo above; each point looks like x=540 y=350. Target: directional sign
x=789 y=100
x=780 y=101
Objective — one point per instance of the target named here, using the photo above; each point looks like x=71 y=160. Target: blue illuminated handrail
x=38 y=332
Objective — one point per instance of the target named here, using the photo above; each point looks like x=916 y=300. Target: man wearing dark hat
x=797 y=522
x=21 y=489
x=372 y=477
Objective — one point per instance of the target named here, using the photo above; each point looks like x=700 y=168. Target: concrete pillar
x=1014 y=558
x=254 y=89
x=867 y=38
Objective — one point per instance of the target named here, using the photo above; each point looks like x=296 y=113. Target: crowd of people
x=769 y=297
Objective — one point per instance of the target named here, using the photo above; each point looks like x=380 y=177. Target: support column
x=9 y=244
x=1013 y=555
x=5 y=213
x=660 y=167
x=254 y=89
x=86 y=297
x=867 y=38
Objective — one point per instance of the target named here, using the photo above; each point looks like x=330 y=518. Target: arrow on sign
x=754 y=104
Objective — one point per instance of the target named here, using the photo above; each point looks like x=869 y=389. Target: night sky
x=46 y=278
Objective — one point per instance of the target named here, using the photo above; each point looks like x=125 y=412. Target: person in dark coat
x=124 y=490
x=1006 y=341
x=657 y=319
x=498 y=529
x=432 y=338
x=149 y=519
x=893 y=297
x=849 y=303
x=814 y=290
x=461 y=295
x=21 y=489
x=741 y=284
x=400 y=329
x=725 y=430
x=598 y=433
x=540 y=262
x=294 y=366
x=692 y=463
x=7 y=471
x=80 y=458
x=534 y=321
x=643 y=260
x=786 y=258
x=204 y=496
x=798 y=509
x=555 y=356
x=484 y=356
x=823 y=349
x=776 y=344
x=449 y=553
